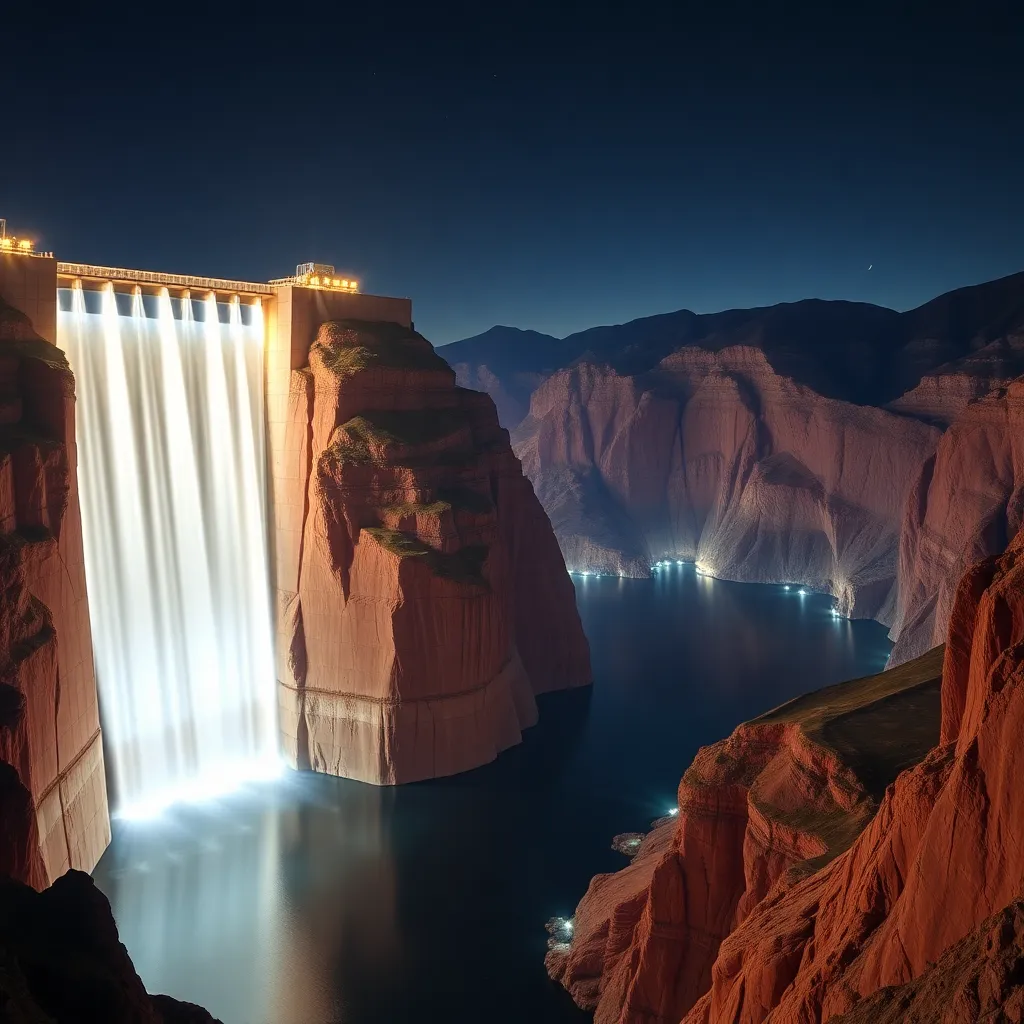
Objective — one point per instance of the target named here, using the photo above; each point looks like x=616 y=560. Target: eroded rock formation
x=774 y=444
x=424 y=601
x=789 y=915
x=53 y=804
x=716 y=457
x=785 y=793
x=966 y=503
x=61 y=961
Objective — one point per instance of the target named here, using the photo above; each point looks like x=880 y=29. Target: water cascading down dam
x=177 y=423
x=173 y=490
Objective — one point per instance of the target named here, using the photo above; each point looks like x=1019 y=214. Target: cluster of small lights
x=10 y=244
x=332 y=282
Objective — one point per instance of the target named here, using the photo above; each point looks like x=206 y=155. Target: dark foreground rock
x=61 y=961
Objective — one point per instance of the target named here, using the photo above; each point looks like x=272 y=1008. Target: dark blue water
x=319 y=900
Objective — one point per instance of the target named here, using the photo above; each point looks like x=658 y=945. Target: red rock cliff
x=966 y=503
x=53 y=805
x=935 y=876
x=425 y=600
x=783 y=795
x=716 y=457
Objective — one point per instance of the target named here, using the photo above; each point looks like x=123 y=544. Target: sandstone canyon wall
x=967 y=501
x=53 y=804
x=794 y=443
x=422 y=598
x=715 y=457
x=812 y=873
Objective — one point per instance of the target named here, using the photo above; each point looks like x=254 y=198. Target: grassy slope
x=878 y=725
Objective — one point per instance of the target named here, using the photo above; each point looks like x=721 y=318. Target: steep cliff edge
x=425 y=600
x=717 y=458
x=966 y=502
x=934 y=876
x=783 y=795
x=53 y=804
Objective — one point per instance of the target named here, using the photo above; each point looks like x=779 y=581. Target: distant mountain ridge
x=853 y=351
x=840 y=445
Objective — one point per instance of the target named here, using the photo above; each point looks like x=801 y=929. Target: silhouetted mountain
x=854 y=351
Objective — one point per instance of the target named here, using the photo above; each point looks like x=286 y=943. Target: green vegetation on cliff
x=409 y=428
x=356 y=345
x=462 y=566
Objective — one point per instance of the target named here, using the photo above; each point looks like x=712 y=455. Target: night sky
x=548 y=171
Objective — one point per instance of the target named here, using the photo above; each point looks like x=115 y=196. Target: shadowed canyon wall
x=52 y=784
x=423 y=600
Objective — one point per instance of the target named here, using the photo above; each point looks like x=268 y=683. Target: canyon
x=799 y=881
x=846 y=854
x=818 y=443
x=849 y=856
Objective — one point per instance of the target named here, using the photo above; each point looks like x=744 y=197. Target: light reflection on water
x=314 y=900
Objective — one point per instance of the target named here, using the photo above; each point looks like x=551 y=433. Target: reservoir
x=317 y=900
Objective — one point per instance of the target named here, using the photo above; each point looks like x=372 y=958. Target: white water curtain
x=172 y=478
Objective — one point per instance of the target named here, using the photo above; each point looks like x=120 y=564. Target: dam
x=188 y=513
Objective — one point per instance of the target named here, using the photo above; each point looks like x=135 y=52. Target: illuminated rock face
x=772 y=444
x=801 y=881
x=53 y=804
x=722 y=460
x=966 y=502
x=423 y=601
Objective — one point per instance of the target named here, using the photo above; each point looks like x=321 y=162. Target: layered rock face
x=920 y=912
x=784 y=794
x=53 y=804
x=718 y=458
x=61 y=961
x=966 y=503
x=773 y=444
x=424 y=601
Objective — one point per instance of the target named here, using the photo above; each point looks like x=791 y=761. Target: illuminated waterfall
x=172 y=479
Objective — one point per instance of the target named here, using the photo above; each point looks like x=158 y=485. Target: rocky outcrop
x=53 y=805
x=424 y=601
x=917 y=887
x=977 y=979
x=967 y=501
x=782 y=796
x=715 y=457
x=61 y=961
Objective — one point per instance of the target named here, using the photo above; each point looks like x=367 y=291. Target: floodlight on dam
x=11 y=243
x=319 y=275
